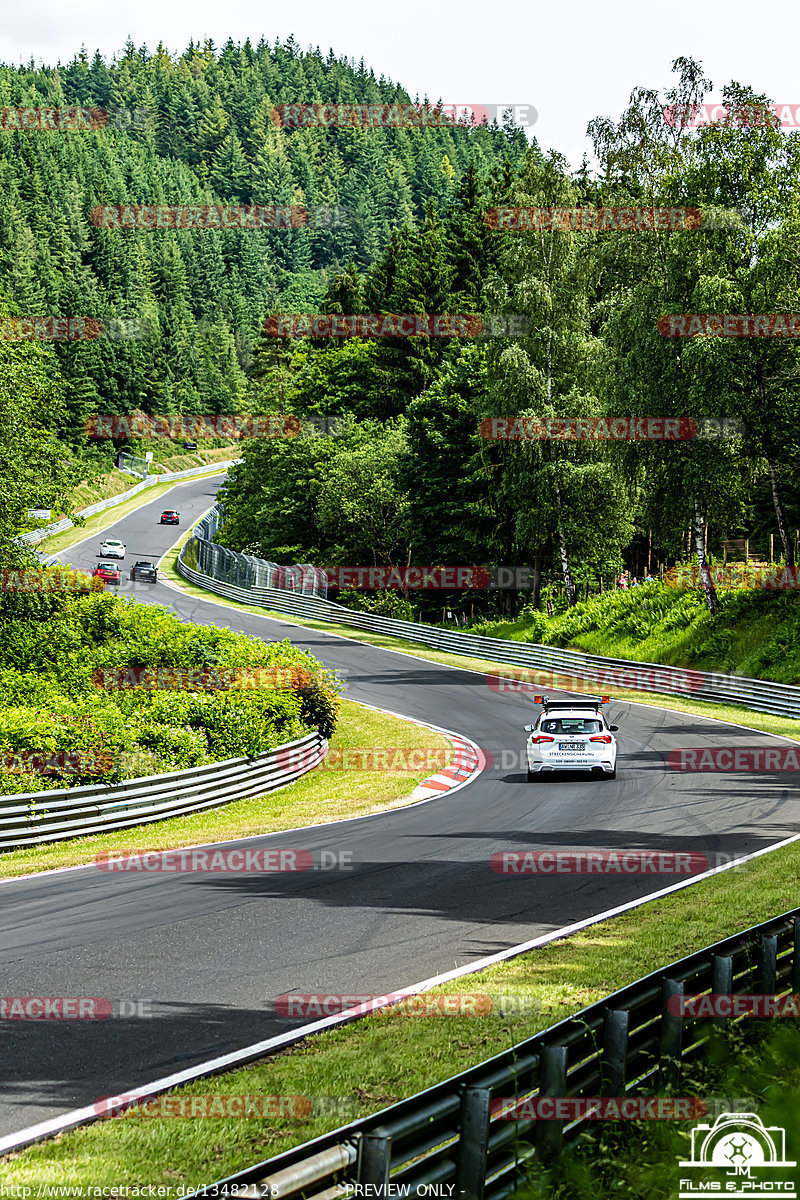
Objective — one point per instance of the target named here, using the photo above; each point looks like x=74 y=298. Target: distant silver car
x=571 y=735
x=111 y=548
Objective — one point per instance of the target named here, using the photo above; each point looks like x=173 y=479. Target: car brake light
x=601 y=737
x=542 y=737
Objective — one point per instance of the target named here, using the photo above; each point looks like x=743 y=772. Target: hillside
x=755 y=634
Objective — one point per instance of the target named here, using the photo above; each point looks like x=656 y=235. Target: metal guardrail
x=453 y=1133
x=31 y=818
x=38 y=535
x=246 y=570
x=574 y=669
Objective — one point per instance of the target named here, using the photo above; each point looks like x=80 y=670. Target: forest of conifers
x=398 y=224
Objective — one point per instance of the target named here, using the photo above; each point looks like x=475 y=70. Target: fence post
x=767 y=960
x=552 y=1082
x=796 y=955
x=473 y=1143
x=374 y=1158
x=614 y=1052
x=671 y=1040
x=721 y=981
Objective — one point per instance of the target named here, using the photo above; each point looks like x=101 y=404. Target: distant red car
x=170 y=517
x=108 y=572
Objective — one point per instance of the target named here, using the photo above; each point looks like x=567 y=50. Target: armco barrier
x=245 y=570
x=610 y=674
x=38 y=535
x=452 y=1134
x=34 y=817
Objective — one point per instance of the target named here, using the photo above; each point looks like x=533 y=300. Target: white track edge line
x=80 y=1116
x=396 y=804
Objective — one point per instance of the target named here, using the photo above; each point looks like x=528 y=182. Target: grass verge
x=109 y=516
x=363 y=1067
x=359 y=1069
x=765 y=722
x=749 y=1070
x=321 y=795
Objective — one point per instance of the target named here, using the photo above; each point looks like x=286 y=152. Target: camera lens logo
x=736 y=1145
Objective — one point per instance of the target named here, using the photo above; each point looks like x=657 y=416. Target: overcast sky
x=571 y=60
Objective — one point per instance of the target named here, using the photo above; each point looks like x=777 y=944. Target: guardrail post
x=374 y=1159
x=721 y=981
x=671 y=1039
x=615 y=1051
x=473 y=1143
x=796 y=955
x=552 y=1082
x=767 y=961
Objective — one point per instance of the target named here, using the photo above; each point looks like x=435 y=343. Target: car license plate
x=570 y=745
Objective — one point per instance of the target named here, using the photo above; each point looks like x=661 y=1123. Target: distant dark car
x=170 y=517
x=190 y=445
x=144 y=570
x=108 y=572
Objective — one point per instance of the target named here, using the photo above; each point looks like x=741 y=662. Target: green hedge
x=62 y=723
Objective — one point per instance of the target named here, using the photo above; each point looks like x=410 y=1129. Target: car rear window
x=571 y=725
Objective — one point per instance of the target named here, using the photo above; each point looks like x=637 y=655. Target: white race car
x=111 y=548
x=571 y=735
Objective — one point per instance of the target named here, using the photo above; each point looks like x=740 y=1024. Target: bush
x=389 y=603
x=50 y=703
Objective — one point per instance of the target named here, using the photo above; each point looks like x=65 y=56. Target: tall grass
x=755 y=633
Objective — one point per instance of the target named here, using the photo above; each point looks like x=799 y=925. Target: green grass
x=750 y=1069
x=324 y=794
x=103 y=520
x=738 y=715
x=383 y=1058
x=114 y=483
x=755 y=633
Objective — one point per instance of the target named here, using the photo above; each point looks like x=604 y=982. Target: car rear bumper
x=540 y=768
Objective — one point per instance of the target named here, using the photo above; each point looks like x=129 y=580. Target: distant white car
x=111 y=548
x=571 y=735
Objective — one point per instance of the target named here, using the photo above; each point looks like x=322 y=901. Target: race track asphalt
x=210 y=952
